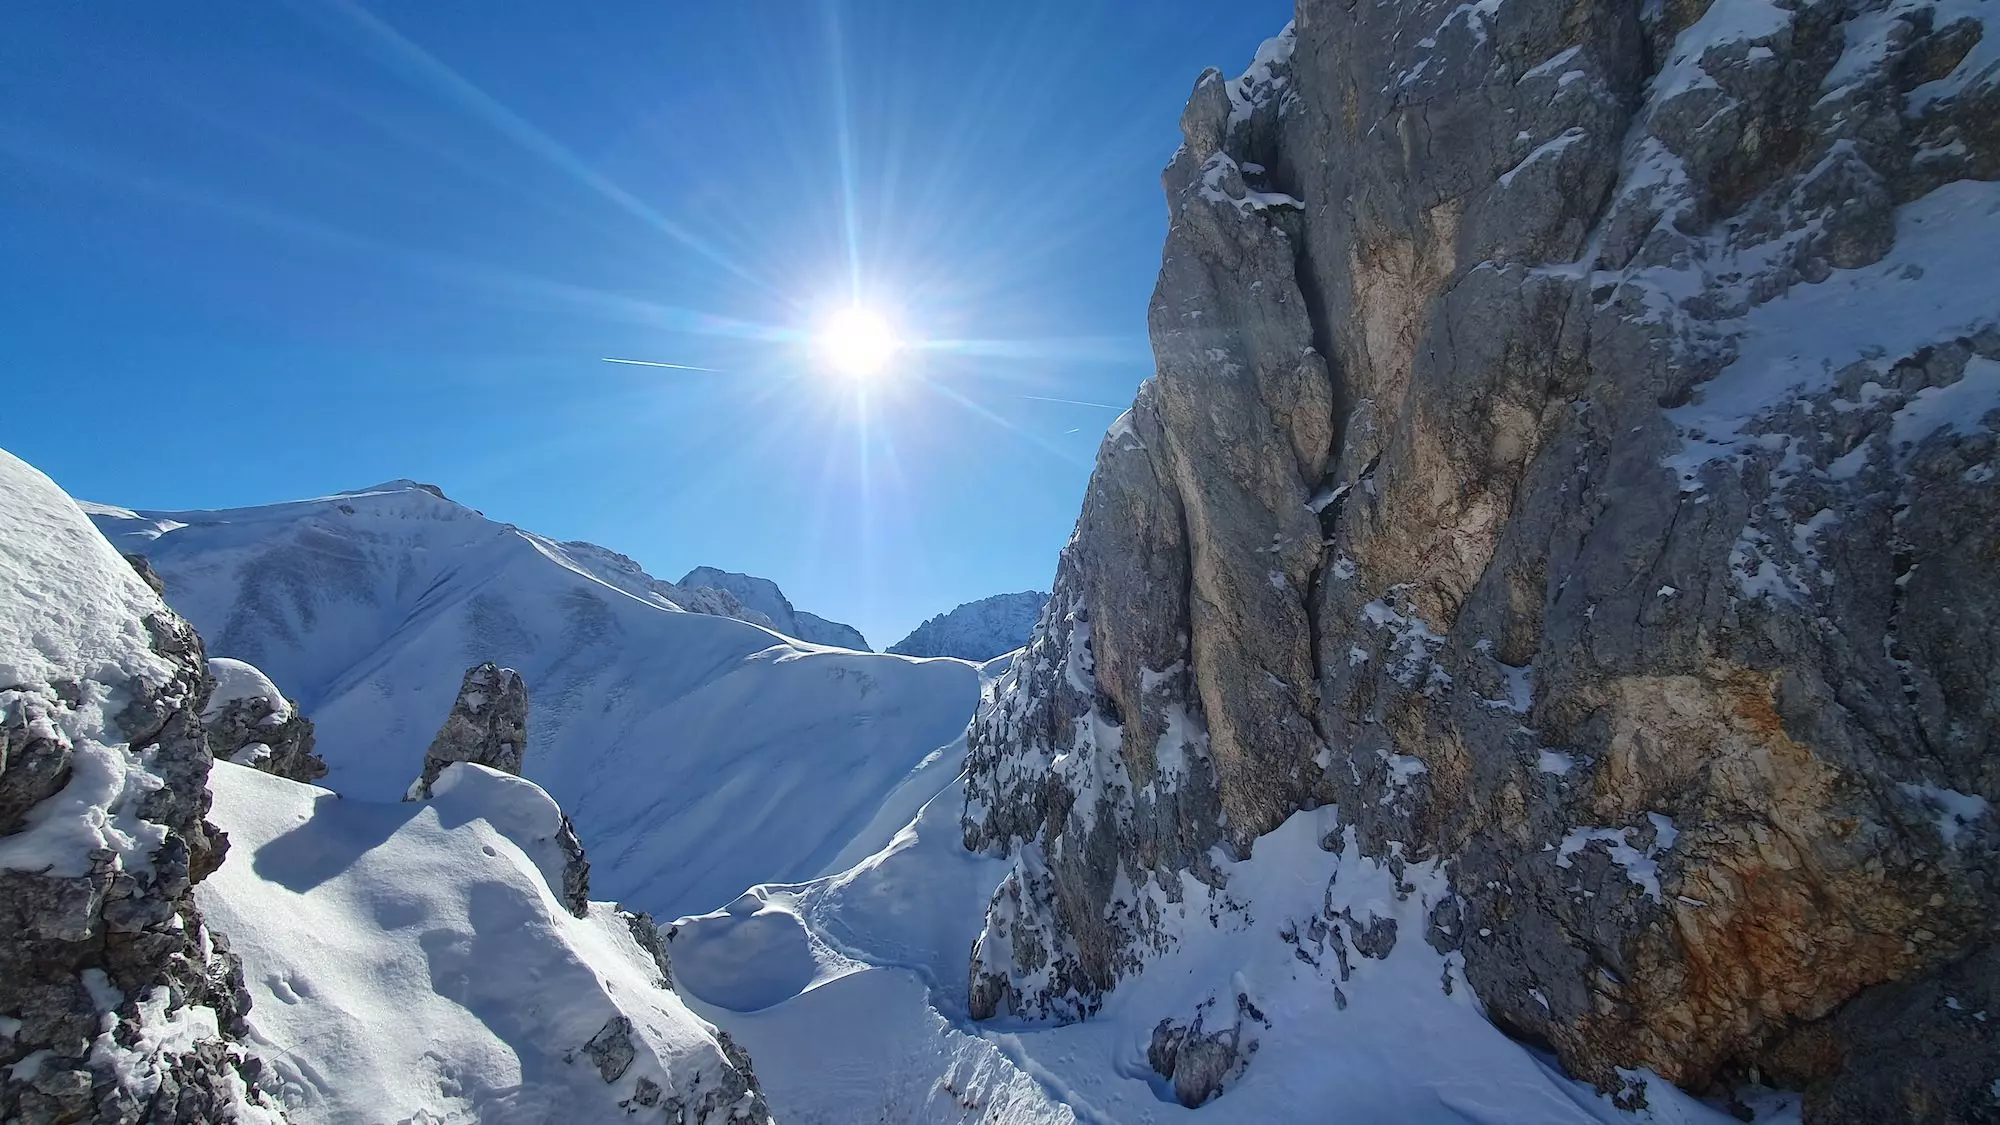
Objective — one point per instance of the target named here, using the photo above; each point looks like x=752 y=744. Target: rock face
x=1571 y=454
x=488 y=726
x=767 y=605
x=117 y=1003
x=978 y=630
x=251 y=723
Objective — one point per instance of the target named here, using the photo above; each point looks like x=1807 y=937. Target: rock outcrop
x=117 y=1003
x=978 y=630
x=1571 y=454
x=487 y=726
x=251 y=723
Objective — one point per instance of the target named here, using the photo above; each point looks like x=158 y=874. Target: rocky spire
x=488 y=726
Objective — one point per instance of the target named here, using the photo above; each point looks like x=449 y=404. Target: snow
x=979 y=630
x=1641 y=868
x=1956 y=408
x=1954 y=812
x=1554 y=762
x=72 y=610
x=1216 y=177
x=1548 y=150
x=878 y=953
x=70 y=607
x=158 y=1036
x=236 y=680
x=763 y=597
x=1724 y=23
x=1261 y=81
x=1979 y=68
x=1930 y=287
x=411 y=962
x=654 y=729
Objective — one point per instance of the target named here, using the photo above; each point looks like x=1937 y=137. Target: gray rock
x=576 y=870
x=488 y=726
x=647 y=933
x=82 y=951
x=277 y=739
x=1198 y=1063
x=144 y=568
x=1425 y=474
x=611 y=1048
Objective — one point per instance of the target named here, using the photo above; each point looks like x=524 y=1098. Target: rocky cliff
x=1571 y=455
x=117 y=1002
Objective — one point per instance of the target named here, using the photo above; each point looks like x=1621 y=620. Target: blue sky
x=256 y=250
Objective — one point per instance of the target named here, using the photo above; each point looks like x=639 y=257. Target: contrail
x=654 y=363
x=1072 y=402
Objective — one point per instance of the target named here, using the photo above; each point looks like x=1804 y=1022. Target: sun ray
x=421 y=66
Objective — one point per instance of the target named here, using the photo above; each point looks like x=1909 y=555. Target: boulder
x=487 y=726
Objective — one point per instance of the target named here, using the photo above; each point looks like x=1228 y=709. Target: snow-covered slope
x=978 y=630
x=1338 y=1033
x=654 y=728
x=762 y=596
x=411 y=962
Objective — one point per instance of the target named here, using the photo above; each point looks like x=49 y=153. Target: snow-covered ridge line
x=366 y=609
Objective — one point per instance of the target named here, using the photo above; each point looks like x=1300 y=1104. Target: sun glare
x=857 y=342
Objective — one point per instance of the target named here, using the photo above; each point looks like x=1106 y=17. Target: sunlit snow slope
x=878 y=951
x=697 y=754
x=410 y=962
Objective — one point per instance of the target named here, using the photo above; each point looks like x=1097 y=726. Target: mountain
x=1567 y=493
x=191 y=940
x=762 y=596
x=978 y=630
x=652 y=727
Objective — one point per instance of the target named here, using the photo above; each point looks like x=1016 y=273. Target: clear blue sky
x=255 y=250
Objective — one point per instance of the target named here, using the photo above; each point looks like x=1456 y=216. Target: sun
x=857 y=342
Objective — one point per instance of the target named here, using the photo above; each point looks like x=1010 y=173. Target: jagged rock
x=117 y=1003
x=611 y=1048
x=250 y=723
x=576 y=870
x=1572 y=455
x=488 y=726
x=647 y=933
x=144 y=567
x=1199 y=1062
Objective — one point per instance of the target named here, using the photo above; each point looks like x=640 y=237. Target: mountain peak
x=977 y=630
x=761 y=595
